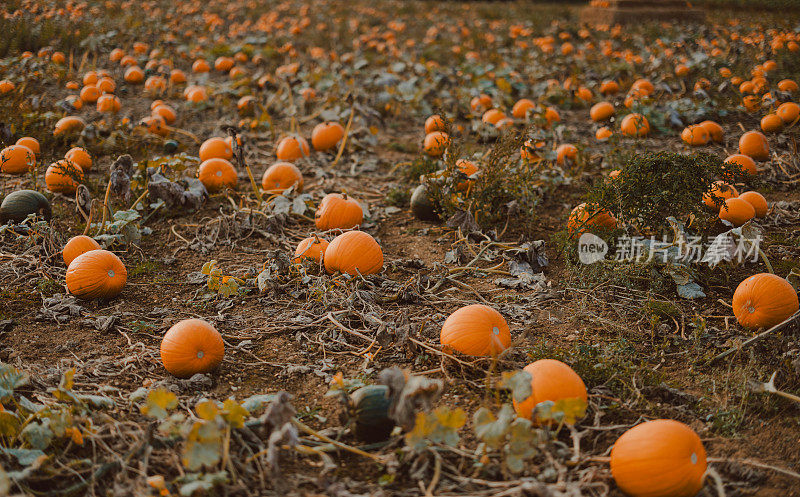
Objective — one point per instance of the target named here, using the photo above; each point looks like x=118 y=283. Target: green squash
x=19 y=204
x=370 y=413
x=422 y=205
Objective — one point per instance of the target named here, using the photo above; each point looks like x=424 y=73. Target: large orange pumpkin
x=476 y=330
x=217 y=174
x=280 y=176
x=746 y=162
x=215 y=148
x=80 y=157
x=68 y=125
x=758 y=202
x=436 y=143
x=63 y=176
x=97 y=274
x=661 y=458
x=326 y=135
x=352 y=253
x=550 y=380
x=635 y=125
x=520 y=109
x=695 y=135
x=764 y=300
x=190 y=347
x=755 y=145
x=736 y=211
x=78 y=245
x=719 y=189
x=311 y=248
x=17 y=159
x=338 y=211
x=292 y=148
x=31 y=143
x=602 y=111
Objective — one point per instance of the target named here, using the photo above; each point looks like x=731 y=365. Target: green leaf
x=490 y=429
x=99 y=401
x=159 y=401
x=11 y=378
x=569 y=410
x=439 y=426
x=208 y=266
x=38 y=435
x=234 y=413
x=522 y=444
x=9 y=424
x=25 y=457
x=202 y=446
x=519 y=382
x=255 y=403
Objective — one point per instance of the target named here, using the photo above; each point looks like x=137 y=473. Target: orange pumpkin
x=758 y=202
x=280 y=176
x=17 y=159
x=436 y=143
x=787 y=111
x=602 y=111
x=326 y=135
x=746 y=162
x=481 y=102
x=476 y=330
x=97 y=274
x=520 y=109
x=736 y=211
x=133 y=75
x=291 y=148
x=78 y=245
x=771 y=123
x=661 y=458
x=338 y=211
x=754 y=144
x=433 y=123
x=31 y=143
x=63 y=176
x=695 y=135
x=79 y=156
x=215 y=148
x=311 y=248
x=190 y=347
x=635 y=125
x=603 y=134
x=68 y=125
x=492 y=116
x=715 y=131
x=353 y=252
x=566 y=153
x=550 y=380
x=467 y=168
x=719 y=189
x=583 y=218
x=217 y=174
x=764 y=300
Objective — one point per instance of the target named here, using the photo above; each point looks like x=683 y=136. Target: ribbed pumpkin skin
x=292 y=148
x=17 y=205
x=764 y=300
x=476 y=330
x=78 y=245
x=217 y=174
x=280 y=176
x=191 y=346
x=758 y=202
x=661 y=458
x=552 y=380
x=63 y=176
x=311 y=248
x=337 y=211
x=98 y=274
x=737 y=211
x=17 y=159
x=371 y=413
x=352 y=253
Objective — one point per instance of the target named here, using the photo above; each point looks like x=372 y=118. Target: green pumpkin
x=371 y=413
x=19 y=204
x=422 y=205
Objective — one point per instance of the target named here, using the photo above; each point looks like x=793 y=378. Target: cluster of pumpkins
x=62 y=176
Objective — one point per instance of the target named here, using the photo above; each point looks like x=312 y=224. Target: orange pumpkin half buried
x=97 y=274
x=661 y=458
x=78 y=245
x=550 y=380
x=338 y=211
x=190 y=347
x=764 y=300
x=476 y=330
x=352 y=253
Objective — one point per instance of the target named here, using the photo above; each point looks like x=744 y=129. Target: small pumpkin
x=747 y=164
x=78 y=245
x=17 y=159
x=719 y=189
x=550 y=380
x=602 y=111
x=695 y=135
x=755 y=145
x=280 y=176
x=291 y=148
x=736 y=211
x=20 y=204
x=476 y=330
x=661 y=458
x=353 y=252
x=81 y=157
x=31 y=143
x=215 y=148
x=635 y=125
x=436 y=143
x=566 y=154
x=758 y=202
x=97 y=274
x=311 y=248
x=584 y=217
x=370 y=413
x=422 y=205
x=326 y=135
x=217 y=174
x=190 y=347
x=63 y=176
x=764 y=300
x=338 y=211
x=715 y=131
x=520 y=109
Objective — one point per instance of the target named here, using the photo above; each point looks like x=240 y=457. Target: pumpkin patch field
x=400 y=248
